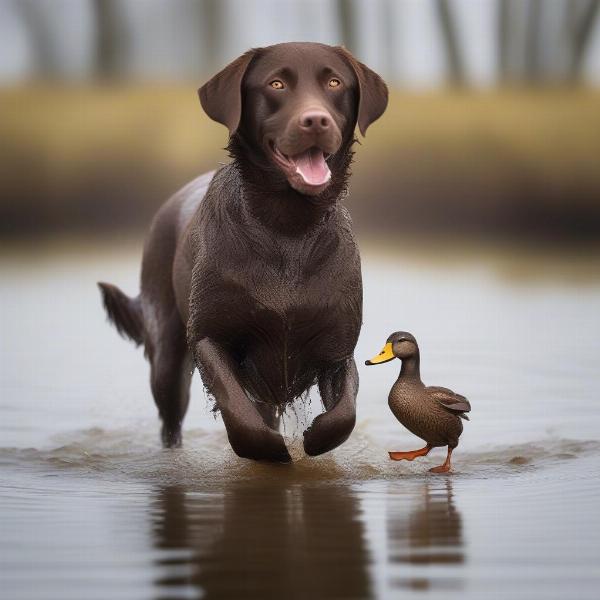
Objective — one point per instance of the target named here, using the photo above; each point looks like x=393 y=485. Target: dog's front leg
x=338 y=391
x=248 y=434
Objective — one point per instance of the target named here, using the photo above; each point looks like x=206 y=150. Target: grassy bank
x=507 y=163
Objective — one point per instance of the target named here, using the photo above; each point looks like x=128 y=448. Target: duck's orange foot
x=445 y=468
x=441 y=469
x=410 y=455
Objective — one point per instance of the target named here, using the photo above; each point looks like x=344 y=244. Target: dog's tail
x=124 y=312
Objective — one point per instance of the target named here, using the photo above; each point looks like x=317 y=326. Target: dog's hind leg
x=165 y=334
x=171 y=368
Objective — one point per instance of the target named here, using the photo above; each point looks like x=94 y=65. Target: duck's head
x=400 y=344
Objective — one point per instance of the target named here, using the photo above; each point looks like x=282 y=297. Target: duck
x=434 y=414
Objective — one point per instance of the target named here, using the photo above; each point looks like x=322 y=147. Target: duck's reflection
x=252 y=540
x=425 y=538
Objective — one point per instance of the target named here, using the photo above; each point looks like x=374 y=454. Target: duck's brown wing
x=451 y=401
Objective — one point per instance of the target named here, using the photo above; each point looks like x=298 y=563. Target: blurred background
x=493 y=127
x=476 y=200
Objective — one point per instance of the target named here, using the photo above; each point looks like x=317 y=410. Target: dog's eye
x=334 y=82
x=277 y=85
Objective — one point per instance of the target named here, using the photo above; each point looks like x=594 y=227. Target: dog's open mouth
x=305 y=171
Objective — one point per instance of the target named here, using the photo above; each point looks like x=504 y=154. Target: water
x=91 y=507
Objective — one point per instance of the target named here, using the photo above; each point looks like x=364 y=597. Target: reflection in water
x=260 y=540
x=82 y=473
x=425 y=538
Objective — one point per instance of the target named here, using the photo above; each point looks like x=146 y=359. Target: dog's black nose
x=315 y=121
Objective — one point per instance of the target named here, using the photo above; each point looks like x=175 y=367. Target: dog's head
x=296 y=105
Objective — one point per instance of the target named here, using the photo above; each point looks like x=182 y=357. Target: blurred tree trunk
x=502 y=37
x=345 y=12
x=504 y=40
x=456 y=70
x=582 y=29
x=212 y=32
x=533 y=70
x=389 y=47
x=109 y=52
x=33 y=14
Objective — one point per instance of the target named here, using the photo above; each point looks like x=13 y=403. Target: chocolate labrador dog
x=251 y=272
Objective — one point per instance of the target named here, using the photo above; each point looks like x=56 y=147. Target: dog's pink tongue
x=312 y=167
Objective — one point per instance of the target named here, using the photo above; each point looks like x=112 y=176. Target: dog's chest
x=285 y=311
x=307 y=303
x=264 y=295
x=283 y=289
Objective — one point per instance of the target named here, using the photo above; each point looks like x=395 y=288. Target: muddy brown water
x=91 y=507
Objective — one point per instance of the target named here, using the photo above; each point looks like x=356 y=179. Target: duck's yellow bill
x=384 y=356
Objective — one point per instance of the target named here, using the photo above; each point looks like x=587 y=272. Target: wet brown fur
x=255 y=283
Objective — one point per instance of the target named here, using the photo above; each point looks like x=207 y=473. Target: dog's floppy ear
x=373 y=93
x=221 y=97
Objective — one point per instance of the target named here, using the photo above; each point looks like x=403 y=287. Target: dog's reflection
x=257 y=540
x=425 y=538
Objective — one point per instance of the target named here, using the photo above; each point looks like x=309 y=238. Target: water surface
x=92 y=507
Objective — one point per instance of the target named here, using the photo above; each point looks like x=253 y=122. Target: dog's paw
x=171 y=437
x=259 y=443
x=328 y=431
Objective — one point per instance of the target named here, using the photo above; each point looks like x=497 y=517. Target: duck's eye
x=334 y=82
x=277 y=84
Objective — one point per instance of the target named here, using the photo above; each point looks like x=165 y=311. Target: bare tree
x=388 y=33
x=552 y=43
x=533 y=66
x=504 y=38
x=34 y=16
x=345 y=12
x=212 y=31
x=110 y=38
x=447 y=22
x=582 y=29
